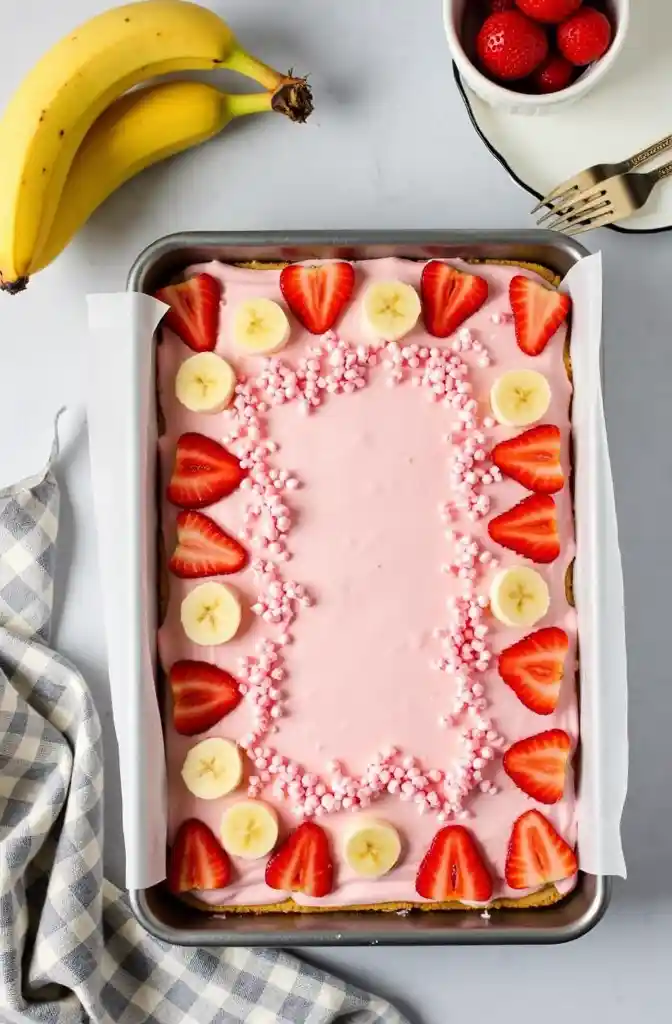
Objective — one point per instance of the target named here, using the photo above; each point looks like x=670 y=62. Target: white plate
x=631 y=109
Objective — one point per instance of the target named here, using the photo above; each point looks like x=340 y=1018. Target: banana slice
x=520 y=397
x=211 y=614
x=212 y=768
x=249 y=829
x=519 y=596
x=391 y=309
x=205 y=383
x=371 y=847
x=260 y=327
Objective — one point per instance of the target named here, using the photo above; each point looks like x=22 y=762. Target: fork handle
x=661 y=172
x=648 y=154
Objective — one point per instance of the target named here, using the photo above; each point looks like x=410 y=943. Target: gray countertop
x=390 y=145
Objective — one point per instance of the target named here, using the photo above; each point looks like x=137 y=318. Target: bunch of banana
x=74 y=131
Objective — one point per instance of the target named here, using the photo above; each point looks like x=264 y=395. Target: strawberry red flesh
x=585 y=37
x=510 y=46
x=537 y=855
x=530 y=529
x=204 y=549
x=550 y=11
x=204 y=472
x=197 y=861
x=453 y=868
x=534 y=667
x=202 y=694
x=533 y=459
x=303 y=862
x=538 y=765
x=555 y=74
x=449 y=297
x=317 y=295
x=194 y=311
x=538 y=312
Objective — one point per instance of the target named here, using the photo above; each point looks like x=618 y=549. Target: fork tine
x=578 y=203
x=552 y=212
x=599 y=222
x=559 y=193
x=577 y=216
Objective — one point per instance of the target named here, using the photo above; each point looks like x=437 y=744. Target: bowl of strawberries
x=533 y=56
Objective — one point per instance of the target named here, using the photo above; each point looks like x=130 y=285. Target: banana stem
x=290 y=96
x=239 y=104
x=242 y=61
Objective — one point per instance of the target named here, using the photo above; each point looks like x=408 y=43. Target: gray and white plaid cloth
x=70 y=948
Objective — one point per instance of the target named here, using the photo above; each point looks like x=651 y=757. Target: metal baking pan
x=175 y=922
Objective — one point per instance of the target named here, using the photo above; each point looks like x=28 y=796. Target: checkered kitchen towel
x=70 y=949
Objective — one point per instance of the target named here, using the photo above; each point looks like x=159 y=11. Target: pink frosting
x=368 y=542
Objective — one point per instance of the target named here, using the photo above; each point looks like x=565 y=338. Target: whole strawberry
x=551 y=11
x=585 y=37
x=554 y=74
x=510 y=46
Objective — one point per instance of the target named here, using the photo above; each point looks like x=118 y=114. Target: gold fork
x=587 y=179
x=611 y=200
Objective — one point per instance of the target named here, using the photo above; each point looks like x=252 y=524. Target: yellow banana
x=138 y=130
x=70 y=87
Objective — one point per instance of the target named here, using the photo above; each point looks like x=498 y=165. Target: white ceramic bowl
x=521 y=103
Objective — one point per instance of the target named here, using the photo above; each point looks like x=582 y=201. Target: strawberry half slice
x=538 y=765
x=533 y=459
x=537 y=855
x=317 y=295
x=204 y=549
x=203 y=694
x=530 y=528
x=449 y=297
x=204 y=472
x=538 y=312
x=194 y=311
x=303 y=862
x=534 y=668
x=197 y=861
x=453 y=868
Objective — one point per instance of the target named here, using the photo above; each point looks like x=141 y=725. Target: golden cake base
x=545 y=897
